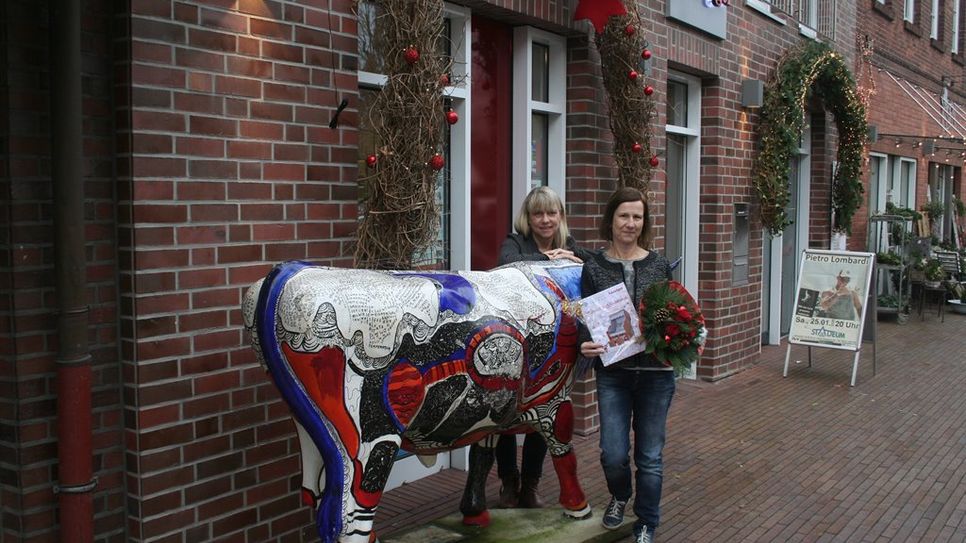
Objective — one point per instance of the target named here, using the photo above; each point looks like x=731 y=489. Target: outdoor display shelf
x=890 y=237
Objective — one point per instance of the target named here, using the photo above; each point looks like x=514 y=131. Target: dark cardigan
x=599 y=274
x=519 y=248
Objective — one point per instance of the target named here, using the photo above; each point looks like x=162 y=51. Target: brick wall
x=228 y=166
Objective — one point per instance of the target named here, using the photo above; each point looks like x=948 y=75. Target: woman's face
x=628 y=223
x=544 y=224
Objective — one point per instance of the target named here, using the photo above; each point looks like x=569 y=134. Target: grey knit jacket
x=599 y=274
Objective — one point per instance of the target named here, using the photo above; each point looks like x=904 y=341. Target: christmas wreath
x=672 y=325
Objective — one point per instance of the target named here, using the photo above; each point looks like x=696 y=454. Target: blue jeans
x=644 y=398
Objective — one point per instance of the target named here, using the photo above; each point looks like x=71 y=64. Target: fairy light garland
x=817 y=68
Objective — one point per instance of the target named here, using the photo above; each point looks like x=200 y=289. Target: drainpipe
x=74 y=452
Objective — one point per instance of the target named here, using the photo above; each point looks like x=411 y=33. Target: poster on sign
x=830 y=299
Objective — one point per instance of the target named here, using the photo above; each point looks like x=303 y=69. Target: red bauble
x=411 y=54
x=632 y=75
x=648 y=90
x=444 y=80
x=646 y=54
x=437 y=162
x=452 y=117
x=637 y=147
x=654 y=161
x=629 y=30
x=371 y=161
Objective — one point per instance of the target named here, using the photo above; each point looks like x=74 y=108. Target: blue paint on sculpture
x=372 y=362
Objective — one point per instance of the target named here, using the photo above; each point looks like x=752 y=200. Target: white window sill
x=765 y=9
x=807 y=31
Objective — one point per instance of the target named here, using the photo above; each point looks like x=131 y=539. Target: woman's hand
x=590 y=349
x=554 y=254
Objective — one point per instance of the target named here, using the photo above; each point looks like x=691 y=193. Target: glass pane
x=874 y=185
x=677 y=103
x=907 y=181
x=791 y=247
x=369 y=35
x=540 y=78
x=437 y=255
x=368 y=142
x=539 y=138
x=674 y=194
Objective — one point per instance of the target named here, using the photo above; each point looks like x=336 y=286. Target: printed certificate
x=613 y=322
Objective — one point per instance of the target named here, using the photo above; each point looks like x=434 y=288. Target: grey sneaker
x=614 y=514
x=646 y=535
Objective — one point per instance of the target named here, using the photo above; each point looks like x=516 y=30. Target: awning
x=939 y=117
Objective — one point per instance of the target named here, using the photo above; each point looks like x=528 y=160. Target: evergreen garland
x=817 y=67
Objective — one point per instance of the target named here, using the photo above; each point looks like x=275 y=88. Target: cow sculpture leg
x=558 y=432
x=473 y=504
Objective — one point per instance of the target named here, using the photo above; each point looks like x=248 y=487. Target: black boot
x=529 y=499
x=510 y=492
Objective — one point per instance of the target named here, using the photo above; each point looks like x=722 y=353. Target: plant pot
x=958 y=306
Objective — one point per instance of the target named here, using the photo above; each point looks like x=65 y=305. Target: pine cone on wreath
x=662 y=315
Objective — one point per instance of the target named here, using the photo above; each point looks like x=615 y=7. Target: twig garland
x=813 y=66
x=631 y=108
x=400 y=216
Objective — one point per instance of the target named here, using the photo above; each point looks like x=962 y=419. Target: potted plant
x=933 y=273
x=935 y=210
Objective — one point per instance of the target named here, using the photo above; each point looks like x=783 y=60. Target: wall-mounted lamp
x=752 y=93
x=928 y=147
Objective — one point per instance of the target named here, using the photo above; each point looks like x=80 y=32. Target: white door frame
x=773 y=280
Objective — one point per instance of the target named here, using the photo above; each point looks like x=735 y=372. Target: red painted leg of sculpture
x=571 y=495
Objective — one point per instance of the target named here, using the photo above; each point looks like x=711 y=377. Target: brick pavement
x=756 y=457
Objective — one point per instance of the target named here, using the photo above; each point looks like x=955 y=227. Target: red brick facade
x=208 y=159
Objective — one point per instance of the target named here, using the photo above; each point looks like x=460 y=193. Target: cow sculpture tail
x=329 y=515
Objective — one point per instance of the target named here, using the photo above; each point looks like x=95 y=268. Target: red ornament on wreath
x=444 y=80
x=648 y=90
x=452 y=117
x=637 y=147
x=654 y=161
x=646 y=54
x=437 y=162
x=411 y=54
x=632 y=75
x=371 y=161
x=629 y=30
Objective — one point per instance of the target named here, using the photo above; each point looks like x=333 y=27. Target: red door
x=491 y=89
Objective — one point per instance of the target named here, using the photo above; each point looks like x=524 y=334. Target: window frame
x=459 y=144
x=524 y=107
x=692 y=188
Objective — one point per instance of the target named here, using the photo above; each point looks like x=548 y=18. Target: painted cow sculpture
x=370 y=362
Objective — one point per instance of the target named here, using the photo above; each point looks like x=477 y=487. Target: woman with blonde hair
x=541 y=231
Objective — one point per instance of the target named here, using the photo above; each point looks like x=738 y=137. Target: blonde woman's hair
x=542 y=199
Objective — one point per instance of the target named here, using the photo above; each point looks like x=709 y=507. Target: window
x=957 y=27
x=683 y=176
x=450 y=250
x=539 y=112
x=878 y=183
x=935 y=21
x=902 y=185
x=909 y=11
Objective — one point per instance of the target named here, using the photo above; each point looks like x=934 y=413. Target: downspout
x=74 y=452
